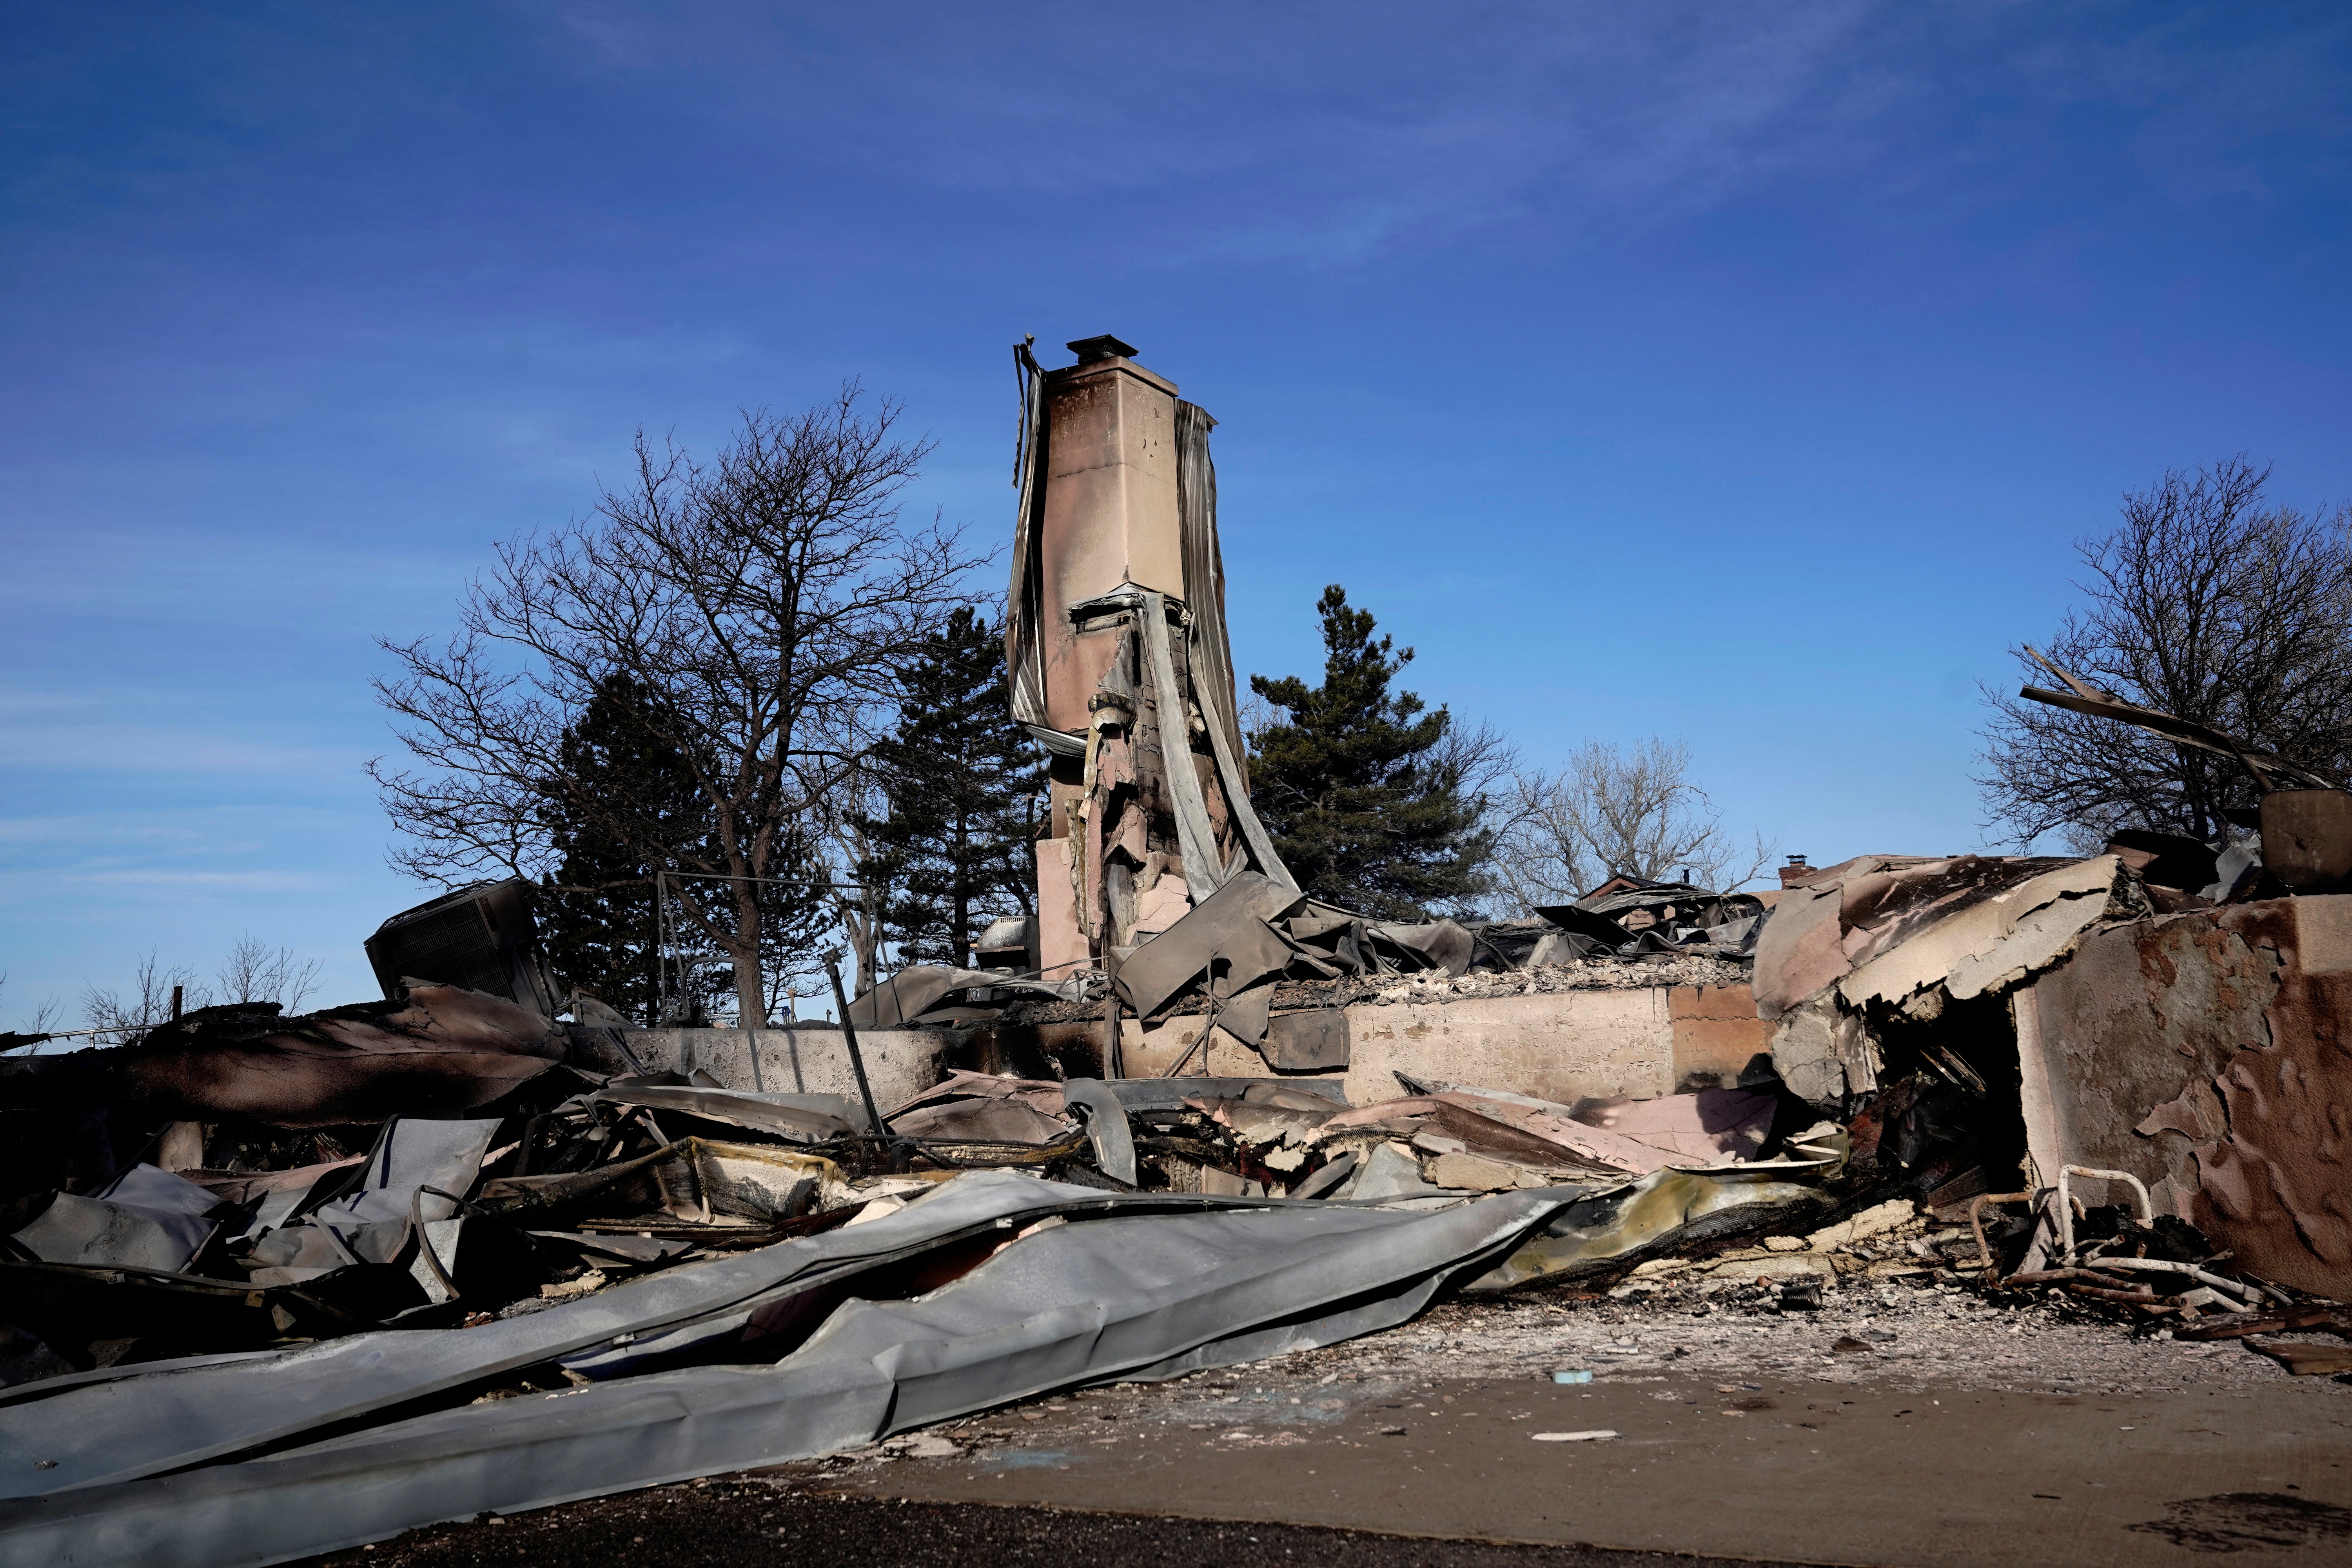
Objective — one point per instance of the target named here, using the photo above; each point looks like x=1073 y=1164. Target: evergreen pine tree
x=1351 y=788
x=601 y=941
x=962 y=786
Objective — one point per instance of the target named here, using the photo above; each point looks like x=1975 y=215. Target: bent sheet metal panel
x=1231 y=924
x=1612 y=1227
x=1114 y=1298
x=807 y=1118
x=1982 y=932
x=142 y=1421
x=1847 y=917
x=444 y=1052
x=1993 y=944
x=145 y=1218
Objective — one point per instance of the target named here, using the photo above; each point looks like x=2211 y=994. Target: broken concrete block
x=1778 y=1266
x=592 y=1280
x=1478 y=1174
x=1890 y=1216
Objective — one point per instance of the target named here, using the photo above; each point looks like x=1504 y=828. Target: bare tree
x=147 y=1002
x=1486 y=764
x=757 y=607
x=1609 y=813
x=855 y=800
x=2207 y=603
x=1256 y=715
x=252 y=972
x=43 y=1018
x=1481 y=757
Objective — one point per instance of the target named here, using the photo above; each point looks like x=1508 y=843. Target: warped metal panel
x=144 y=1421
x=1134 y=1295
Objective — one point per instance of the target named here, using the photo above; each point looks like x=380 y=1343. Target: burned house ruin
x=274 y=1285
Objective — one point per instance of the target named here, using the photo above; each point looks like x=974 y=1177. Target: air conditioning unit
x=481 y=938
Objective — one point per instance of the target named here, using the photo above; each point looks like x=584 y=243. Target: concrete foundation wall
x=1561 y=1046
x=1717 y=1035
x=1555 y=1046
x=899 y=1063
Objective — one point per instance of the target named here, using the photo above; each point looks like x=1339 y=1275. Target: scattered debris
x=275 y=1285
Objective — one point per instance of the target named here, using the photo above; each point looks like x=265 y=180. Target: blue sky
x=1739 y=374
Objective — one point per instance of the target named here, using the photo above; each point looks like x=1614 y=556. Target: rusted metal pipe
x=1976 y=1223
x=2060 y=1275
x=1208 y=1022
x=2238 y=1289
x=2140 y=1298
x=2329 y=1320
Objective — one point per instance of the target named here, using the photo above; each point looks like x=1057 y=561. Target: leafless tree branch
x=252 y=972
x=43 y=1018
x=2205 y=601
x=148 y=1000
x=1633 y=812
x=759 y=605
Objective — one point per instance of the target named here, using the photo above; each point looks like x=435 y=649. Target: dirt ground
x=1899 y=1424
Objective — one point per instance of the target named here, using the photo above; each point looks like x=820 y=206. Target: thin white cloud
x=185 y=576
x=1333 y=133
x=214 y=830
x=16 y=886
x=148 y=749
x=1330 y=129
x=87 y=831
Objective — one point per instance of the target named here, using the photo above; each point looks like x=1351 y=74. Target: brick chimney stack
x=1109 y=520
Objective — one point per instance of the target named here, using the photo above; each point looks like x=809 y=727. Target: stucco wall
x=2209 y=1053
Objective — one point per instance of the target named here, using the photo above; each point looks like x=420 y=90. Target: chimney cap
x=1104 y=347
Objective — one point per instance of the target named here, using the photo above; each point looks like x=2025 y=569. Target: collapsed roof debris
x=278 y=1285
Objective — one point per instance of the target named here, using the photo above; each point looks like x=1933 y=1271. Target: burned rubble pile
x=708 y=1277
x=1316 y=955
x=276 y=1286
x=236 y=1180
x=251 y=1255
